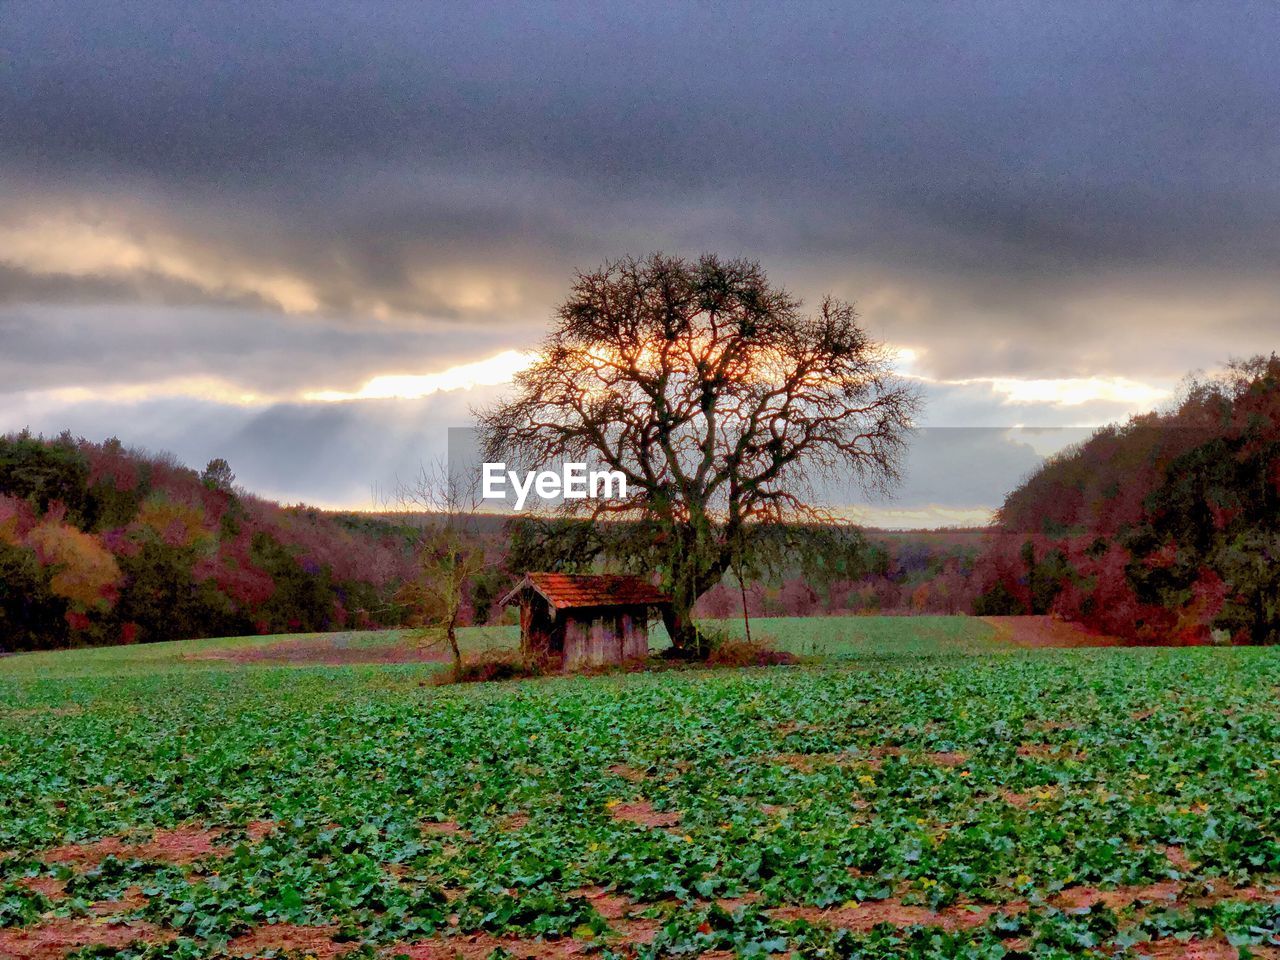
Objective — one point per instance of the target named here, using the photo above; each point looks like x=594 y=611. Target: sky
x=310 y=238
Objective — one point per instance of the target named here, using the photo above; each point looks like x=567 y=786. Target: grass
x=204 y=655
x=873 y=638
x=847 y=638
x=919 y=790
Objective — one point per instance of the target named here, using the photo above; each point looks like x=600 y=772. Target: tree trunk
x=451 y=632
x=696 y=564
x=678 y=619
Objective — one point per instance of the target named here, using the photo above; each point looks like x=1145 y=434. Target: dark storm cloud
x=201 y=90
x=1062 y=125
x=1041 y=190
x=258 y=352
x=24 y=287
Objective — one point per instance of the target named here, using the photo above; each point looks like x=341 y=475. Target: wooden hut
x=585 y=619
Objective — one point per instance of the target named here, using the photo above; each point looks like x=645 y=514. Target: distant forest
x=102 y=545
x=1165 y=529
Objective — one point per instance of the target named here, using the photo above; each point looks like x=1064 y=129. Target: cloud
x=63 y=246
x=1072 y=391
x=490 y=372
x=252 y=350
x=220 y=212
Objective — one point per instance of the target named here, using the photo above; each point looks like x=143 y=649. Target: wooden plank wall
x=599 y=637
x=577 y=643
x=635 y=635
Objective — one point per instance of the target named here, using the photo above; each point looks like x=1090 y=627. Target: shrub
x=492 y=665
x=757 y=652
x=998 y=601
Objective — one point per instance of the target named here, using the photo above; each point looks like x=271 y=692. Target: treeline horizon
x=100 y=544
x=1164 y=529
x=104 y=544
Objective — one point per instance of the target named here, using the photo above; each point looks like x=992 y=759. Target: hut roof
x=566 y=591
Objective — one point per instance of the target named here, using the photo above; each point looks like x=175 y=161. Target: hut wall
x=598 y=640
x=597 y=637
x=635 y=635
x=577 y=642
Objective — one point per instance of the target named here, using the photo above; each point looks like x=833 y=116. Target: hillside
x=1166 y=528
x=100 y=544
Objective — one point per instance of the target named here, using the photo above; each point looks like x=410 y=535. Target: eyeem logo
x=573 y=482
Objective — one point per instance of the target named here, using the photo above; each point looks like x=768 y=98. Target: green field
x=915 y=789
x=842 y=638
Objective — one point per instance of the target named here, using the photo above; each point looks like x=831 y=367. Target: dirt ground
x=331 y=649
x=1048 y=632
x=336 y=649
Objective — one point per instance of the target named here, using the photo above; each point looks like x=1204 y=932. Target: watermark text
x=574 y=481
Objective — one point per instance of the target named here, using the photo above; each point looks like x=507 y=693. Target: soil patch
x=630 y=774
x=332 y=649
x=258 y=830
x=54 y=939
x=795 y=726
x=947 y=758
x=866 y=916
x=479 y=946
x=50 y=888
x=315 y=942
x=809 y=762
x=1171 y=949
x=611 y=906
x=641 y=812
x=179 y=845
x=440 y=828
x=1044 y=631
x=872 y=913
x=730 y=904
x=1082 y=898
x=1178 y=859
x=1028 y=798
x=132 y=899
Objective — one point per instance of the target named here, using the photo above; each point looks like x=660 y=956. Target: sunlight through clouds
x=208 y=388
x=1042 y=391
x=74 y=247
x=495 y=370
x=1074 y=391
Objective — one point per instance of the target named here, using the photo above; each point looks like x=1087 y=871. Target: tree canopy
x=721 y=401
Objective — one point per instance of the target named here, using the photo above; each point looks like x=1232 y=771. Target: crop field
x=919 y=788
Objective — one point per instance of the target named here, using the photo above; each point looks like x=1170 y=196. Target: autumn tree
x=719 y=400
x=1164 y=528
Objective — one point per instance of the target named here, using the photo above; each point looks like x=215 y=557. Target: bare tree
x=450 y=549
x=716 y=397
